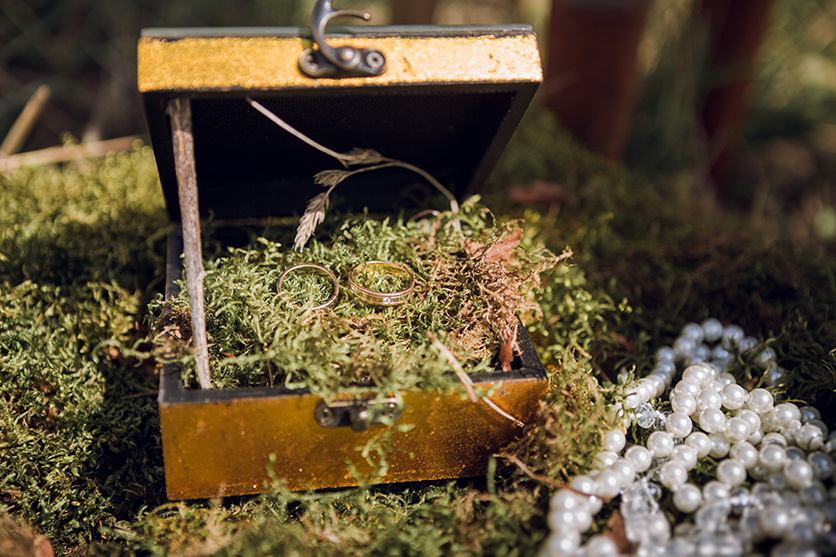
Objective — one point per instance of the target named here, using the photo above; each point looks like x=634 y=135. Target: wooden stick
x=25 y=121
x=53 y=155
x=183 y=141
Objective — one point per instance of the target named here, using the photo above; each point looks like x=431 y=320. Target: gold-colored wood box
x=448 y=101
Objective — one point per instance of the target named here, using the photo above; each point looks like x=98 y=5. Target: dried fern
x=315 y=211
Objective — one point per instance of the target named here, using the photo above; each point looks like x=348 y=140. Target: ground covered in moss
x=82 y=252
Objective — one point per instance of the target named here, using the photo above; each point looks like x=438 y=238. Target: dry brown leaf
x=503 y=249
x=616 y=531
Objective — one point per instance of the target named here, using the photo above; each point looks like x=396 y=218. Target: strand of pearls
x=774 y=463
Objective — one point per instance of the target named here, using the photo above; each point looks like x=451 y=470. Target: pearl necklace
x=775 y=447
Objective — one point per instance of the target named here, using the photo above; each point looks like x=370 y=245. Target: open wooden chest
x=444 y=99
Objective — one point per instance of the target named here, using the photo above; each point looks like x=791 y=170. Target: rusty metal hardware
x=358 y=414
x=342 y=61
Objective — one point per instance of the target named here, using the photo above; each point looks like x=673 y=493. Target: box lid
x=448 y=101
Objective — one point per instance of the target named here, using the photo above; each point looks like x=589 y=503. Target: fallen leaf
x=616 y=531
x=502 y=249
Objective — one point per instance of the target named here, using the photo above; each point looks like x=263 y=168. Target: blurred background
x=85 y=51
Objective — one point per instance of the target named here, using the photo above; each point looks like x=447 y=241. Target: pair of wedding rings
x=384 y=269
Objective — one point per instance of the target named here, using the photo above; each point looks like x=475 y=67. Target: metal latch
x=359 y=414
x=343 y=61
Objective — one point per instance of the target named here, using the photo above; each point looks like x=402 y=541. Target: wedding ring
x=314 y=269
x=376 y=297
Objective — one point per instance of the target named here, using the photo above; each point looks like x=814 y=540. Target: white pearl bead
x=782 y=415
x=641 y=457
x=721 y=356
x=755 y=438
x=568 y=500
x=647 y=389
x=772 y=457
x=699 y=441
x=709 y=399
x=798 y=473
x=693 y=331
x=734 y=396
x=688 y=498
x=699 y=373
x=774 y=438
x=673 y=475
x=712 y=330
x=603 y=460
x=665 y=354
x=822 y=463
x=731 y=472
x=595 y=505
x=809 y=413
x=766 y=358
x=745 y=453
x=760 y=401
x=658 y=527
x=561 y=520
x=685 y=454
x=624 y=468
x=687 y=386
x=665 y=370
x=774 y=376
x=809 y=437
x=747 y=343
x=683 y=348
x=714 y=491
x=614 y=441
x=737 y=430
x=679 y=425
x=751 y=418
x=717 y=386
x=660 y=443
x=821 y=425
x=584 y=484
x=657 y=384
x=774 y=521
x=583 y=519
x=632 y=398
x=562 y=544
x=683 y=402
x=600 y=546
x=727 y=378
x=712 y=420
x=702 y=353
x=719 y=445
x=732 y=335
x=609 y=484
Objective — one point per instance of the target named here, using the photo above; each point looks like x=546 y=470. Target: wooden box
x=448 y=101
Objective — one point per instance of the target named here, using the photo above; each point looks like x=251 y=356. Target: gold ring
x=317 y=270
x=376 y=297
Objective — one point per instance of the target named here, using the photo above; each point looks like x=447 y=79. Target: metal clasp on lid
x=359 y=414
x=343 y=61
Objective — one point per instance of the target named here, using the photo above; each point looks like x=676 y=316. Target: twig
x=457 y=367
x=468 y=382
x=25 y=121
x=53 y=155
x=181 y=131
x=537 y=477
x=528 y=472
x=292 y=131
